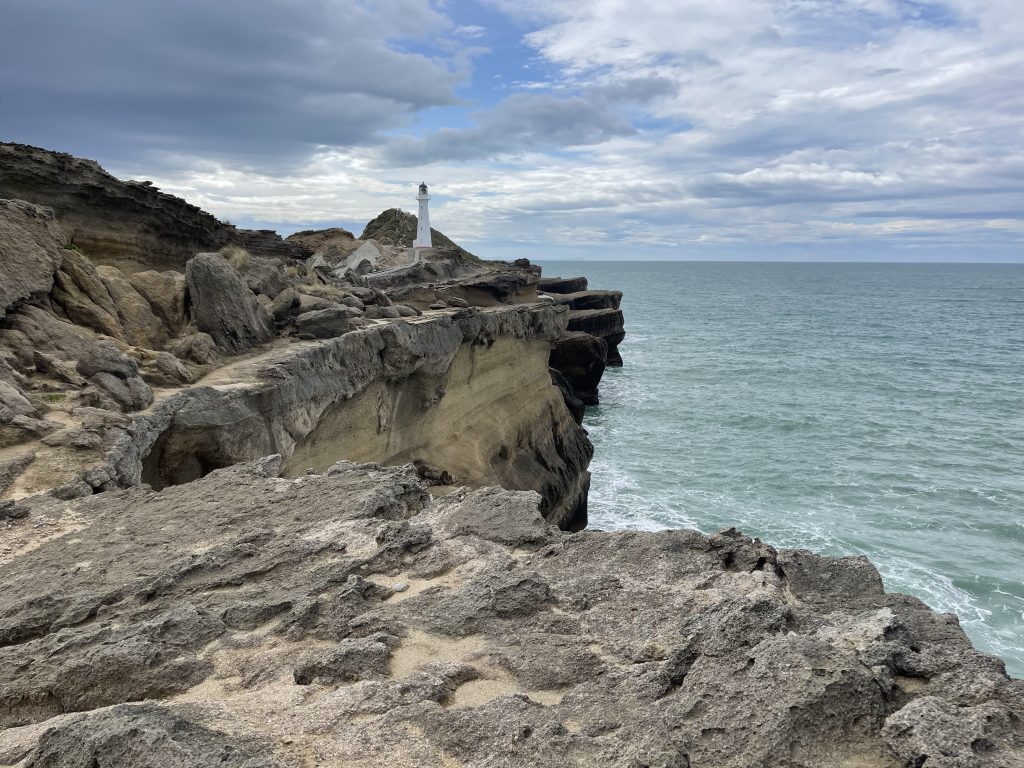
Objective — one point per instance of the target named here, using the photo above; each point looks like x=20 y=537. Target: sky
x=593 y=129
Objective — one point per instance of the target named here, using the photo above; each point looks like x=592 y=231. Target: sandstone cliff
x=109 y=379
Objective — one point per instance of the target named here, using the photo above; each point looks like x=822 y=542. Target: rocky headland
x=320 y=501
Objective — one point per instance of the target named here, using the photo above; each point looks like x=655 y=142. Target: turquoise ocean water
x=872 y=409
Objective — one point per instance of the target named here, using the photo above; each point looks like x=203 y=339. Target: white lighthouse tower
x=423 y=228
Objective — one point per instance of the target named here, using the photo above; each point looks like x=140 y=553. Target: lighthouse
x=423 y=227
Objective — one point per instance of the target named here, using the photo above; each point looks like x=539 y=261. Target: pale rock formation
x=345 y=618
x=141 y=325
x=165 y=292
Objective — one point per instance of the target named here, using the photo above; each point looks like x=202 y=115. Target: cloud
x=645 y=127
x=521 y=122
x=259 y=81
x=471 y=31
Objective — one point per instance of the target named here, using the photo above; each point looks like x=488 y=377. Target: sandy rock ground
x=345 y=618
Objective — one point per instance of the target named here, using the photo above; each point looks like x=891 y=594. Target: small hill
x=335 y=243
x=396 y=227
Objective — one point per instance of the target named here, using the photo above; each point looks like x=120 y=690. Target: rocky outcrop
x=606 y=324
x=563 y=284
x=31 y=250
x=580 y=358
x=334 y=243
x=134 y=312
x=116 y=375
x=345 y=618
x=224 y=307
x=127 y=224
x=590 y=299
x=595 y=314
x=165 y=292
x=468 y=393
x=81 y=296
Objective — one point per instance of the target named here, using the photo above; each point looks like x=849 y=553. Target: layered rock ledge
x=347 y=618
x=128 y=224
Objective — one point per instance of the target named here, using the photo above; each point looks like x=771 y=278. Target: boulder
x=165 y=292
x=264 y=276
x=197 y=347
x=12 y=400
x=284 y=304
x=31 y=250
x=32 y=329
x=105 y=357
x=80 y=293
x=117 y=375
x=165 y=370
x=58 y=369
x=224 y=307
x=131 y=394
x=350 y=300
x=12 y=511
x=325 y=323
x=141 y=325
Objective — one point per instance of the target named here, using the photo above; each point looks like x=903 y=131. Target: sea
x=846 y=408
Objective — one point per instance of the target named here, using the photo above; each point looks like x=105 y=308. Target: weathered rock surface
x=325 y=323
x=165 y=292
x=590 y=299
x=563 y=284
x=224 y=307
x=31 y=250
x=580 y=358
x=116 y=374
x=468 y=393
x=80 y=295
x=334 y=244
x=345 y=619
x=127 y=224
x=141 y=325
x=265 y=276
x=605 y=324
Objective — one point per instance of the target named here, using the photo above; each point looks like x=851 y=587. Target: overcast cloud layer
x=594 y=128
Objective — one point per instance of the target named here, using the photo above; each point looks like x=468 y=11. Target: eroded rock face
x=580 y=358
x=127 y=224
x=347 y=619
x=469 y=394
x=606 y=324
x=31 y=250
